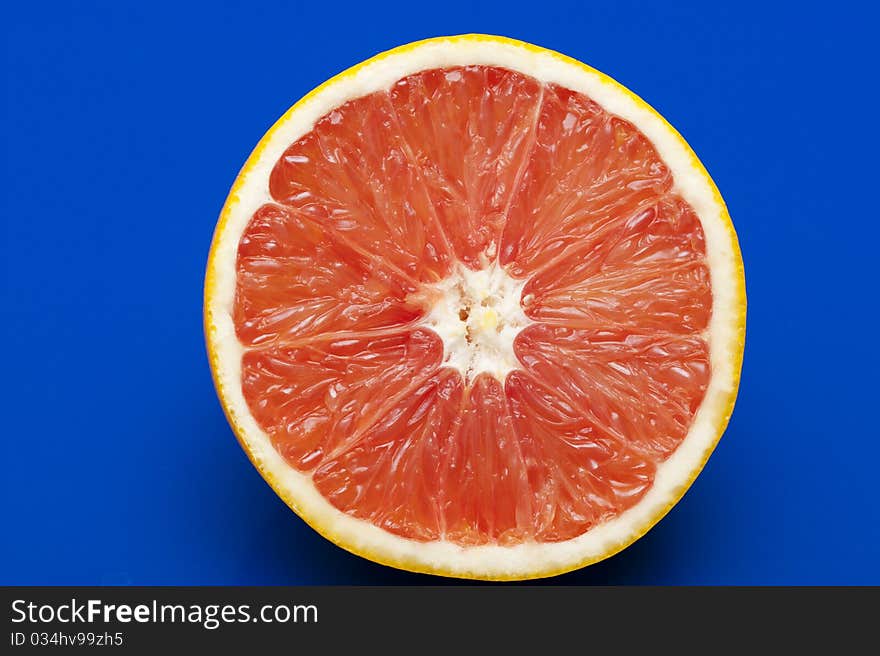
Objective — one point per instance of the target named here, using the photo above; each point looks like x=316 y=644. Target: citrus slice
x=475 y=309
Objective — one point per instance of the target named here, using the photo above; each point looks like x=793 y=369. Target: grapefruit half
x=475 y=309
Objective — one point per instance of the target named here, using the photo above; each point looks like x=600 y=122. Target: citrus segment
x=588 y=173
x=641 y=390
x=470 y=129
x=296 y=279
x=585 y=475
x=488 y=497
x=353 y=174
x=318 y=399
x=393 y=475
x=647 y=274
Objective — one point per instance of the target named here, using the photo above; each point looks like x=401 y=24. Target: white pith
x=481 y=341
x=490 y=561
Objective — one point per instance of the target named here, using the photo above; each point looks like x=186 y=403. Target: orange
x=475 y=309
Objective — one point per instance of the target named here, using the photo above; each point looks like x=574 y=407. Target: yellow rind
x=319 y=523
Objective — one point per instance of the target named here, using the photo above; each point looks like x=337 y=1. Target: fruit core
x=478 y=315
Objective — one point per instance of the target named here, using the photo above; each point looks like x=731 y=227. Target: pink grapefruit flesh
x=474 y=166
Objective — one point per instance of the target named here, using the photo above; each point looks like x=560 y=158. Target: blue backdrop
x=124 y=127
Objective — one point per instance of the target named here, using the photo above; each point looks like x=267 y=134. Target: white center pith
x=478 y=315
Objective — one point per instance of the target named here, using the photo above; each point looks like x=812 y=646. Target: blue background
x=123 y=129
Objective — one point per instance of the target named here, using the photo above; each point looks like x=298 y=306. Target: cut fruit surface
x=474 y=309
